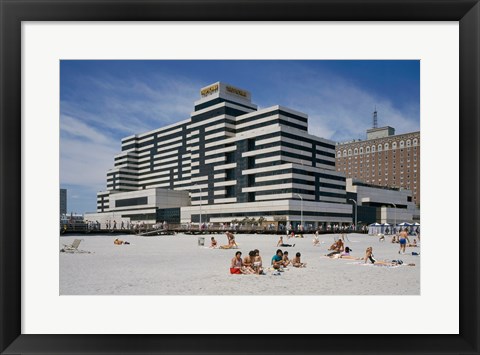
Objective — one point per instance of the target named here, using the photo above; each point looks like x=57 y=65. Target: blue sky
x=103 y=101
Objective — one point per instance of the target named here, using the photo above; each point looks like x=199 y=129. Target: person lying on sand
x=118 y=242
x=343 y=255
x=369 y=256
x=391 y=263
x=296 y=261
x=280 y=243
x=213 y=243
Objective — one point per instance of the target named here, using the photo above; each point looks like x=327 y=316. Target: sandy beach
x=177 y=265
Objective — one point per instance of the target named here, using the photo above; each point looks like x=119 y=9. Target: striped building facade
x=236 y=161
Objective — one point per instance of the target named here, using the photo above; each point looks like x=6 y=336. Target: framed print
x=49 y=52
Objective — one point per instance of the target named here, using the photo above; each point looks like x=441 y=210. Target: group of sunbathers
x=231 y=244
x=368 y=257
x=251 y=264
x=280 y=260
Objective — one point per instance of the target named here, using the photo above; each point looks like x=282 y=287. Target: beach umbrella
x=403 y=224
x=416 y=224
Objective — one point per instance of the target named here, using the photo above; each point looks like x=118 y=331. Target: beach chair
x=73 y=248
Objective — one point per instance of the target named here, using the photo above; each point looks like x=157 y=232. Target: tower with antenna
x=375 y=120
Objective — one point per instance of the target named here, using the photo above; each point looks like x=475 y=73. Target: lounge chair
x=73 y=248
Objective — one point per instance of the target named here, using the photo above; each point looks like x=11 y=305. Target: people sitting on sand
x=257 y=263
x=281 y=244
x=236 y=266
x=337 y=247
x=382 y=238
x=286 y=260
x=316 y=241
x=248 y=261
x=231 y=242
x=369 y=255
x=394 y=239
x=213 y=243
x=277 y=259
x=413 y=245
x=296 y=261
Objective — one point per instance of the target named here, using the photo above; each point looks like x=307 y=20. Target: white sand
x=176 y=265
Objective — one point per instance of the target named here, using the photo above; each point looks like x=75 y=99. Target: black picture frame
x=13 y=12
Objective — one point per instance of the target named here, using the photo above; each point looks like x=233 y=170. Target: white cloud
x=84 y=159
x=92 y=127
x=337 y=108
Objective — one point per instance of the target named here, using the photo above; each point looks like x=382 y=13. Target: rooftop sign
x=209 y=90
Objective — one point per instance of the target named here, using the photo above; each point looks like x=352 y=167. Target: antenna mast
x=375 y=121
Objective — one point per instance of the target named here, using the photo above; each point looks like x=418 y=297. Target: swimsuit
x=403 y=241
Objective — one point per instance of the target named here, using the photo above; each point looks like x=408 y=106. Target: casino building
x=233 y=161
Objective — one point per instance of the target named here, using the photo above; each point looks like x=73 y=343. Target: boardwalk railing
x=159 y=229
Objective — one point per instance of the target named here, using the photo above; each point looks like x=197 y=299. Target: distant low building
x=63 y=201
x=381 y=204
x=148 y=206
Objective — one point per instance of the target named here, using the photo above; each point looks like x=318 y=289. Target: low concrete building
x=381 y=204
x=149 y=206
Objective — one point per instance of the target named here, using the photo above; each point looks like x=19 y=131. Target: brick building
x=383 y=159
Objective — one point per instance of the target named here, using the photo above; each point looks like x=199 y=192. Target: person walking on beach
x=403 y=241
x=316 y=242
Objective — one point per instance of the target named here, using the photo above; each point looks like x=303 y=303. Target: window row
x=380 y=147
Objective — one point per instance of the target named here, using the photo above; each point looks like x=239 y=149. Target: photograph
x=239 y=177
x=170 y=170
